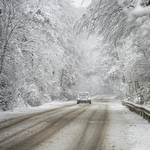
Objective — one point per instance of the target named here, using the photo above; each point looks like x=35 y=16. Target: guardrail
x=138 y=109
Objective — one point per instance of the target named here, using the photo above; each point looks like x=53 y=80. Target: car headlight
x=89 y=98
x=78 y=98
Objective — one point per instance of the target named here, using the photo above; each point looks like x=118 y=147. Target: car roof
x=83 y=92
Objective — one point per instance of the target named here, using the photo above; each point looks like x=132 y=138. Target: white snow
x=81 y=3
x=68 y=136
x=139 y=11
x=5 y=115
x=124 y=130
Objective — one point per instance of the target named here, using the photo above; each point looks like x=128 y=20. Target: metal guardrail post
x=138 y=109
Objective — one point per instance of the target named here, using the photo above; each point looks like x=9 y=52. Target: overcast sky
x=78 y=3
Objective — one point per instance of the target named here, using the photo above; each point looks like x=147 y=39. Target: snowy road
x=103 y=125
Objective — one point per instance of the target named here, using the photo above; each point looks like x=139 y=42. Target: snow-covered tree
x=121 y=24
x=36 y=44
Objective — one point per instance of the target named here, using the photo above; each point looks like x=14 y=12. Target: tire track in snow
x=4 y=125
x=93 y=131
x=55 y=124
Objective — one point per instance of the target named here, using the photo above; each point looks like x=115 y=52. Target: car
x=84 y=97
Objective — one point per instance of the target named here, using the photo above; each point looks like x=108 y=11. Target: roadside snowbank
x=126 y=130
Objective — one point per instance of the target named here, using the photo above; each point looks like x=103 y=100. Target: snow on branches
x=36 y=43
x=124 y=26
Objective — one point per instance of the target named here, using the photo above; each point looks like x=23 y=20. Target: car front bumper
x=83 y=101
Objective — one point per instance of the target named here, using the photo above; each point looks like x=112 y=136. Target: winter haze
x=71 y=71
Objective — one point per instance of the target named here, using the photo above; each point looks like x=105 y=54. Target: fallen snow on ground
x=139 y=132
x=126 y=130
x=69 y=136
x=17 y=112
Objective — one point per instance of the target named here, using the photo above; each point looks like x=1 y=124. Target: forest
x=48 y=53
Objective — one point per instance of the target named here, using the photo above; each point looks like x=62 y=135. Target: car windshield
x=83 y=94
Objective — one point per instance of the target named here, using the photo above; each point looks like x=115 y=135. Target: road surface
x=98 y=126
